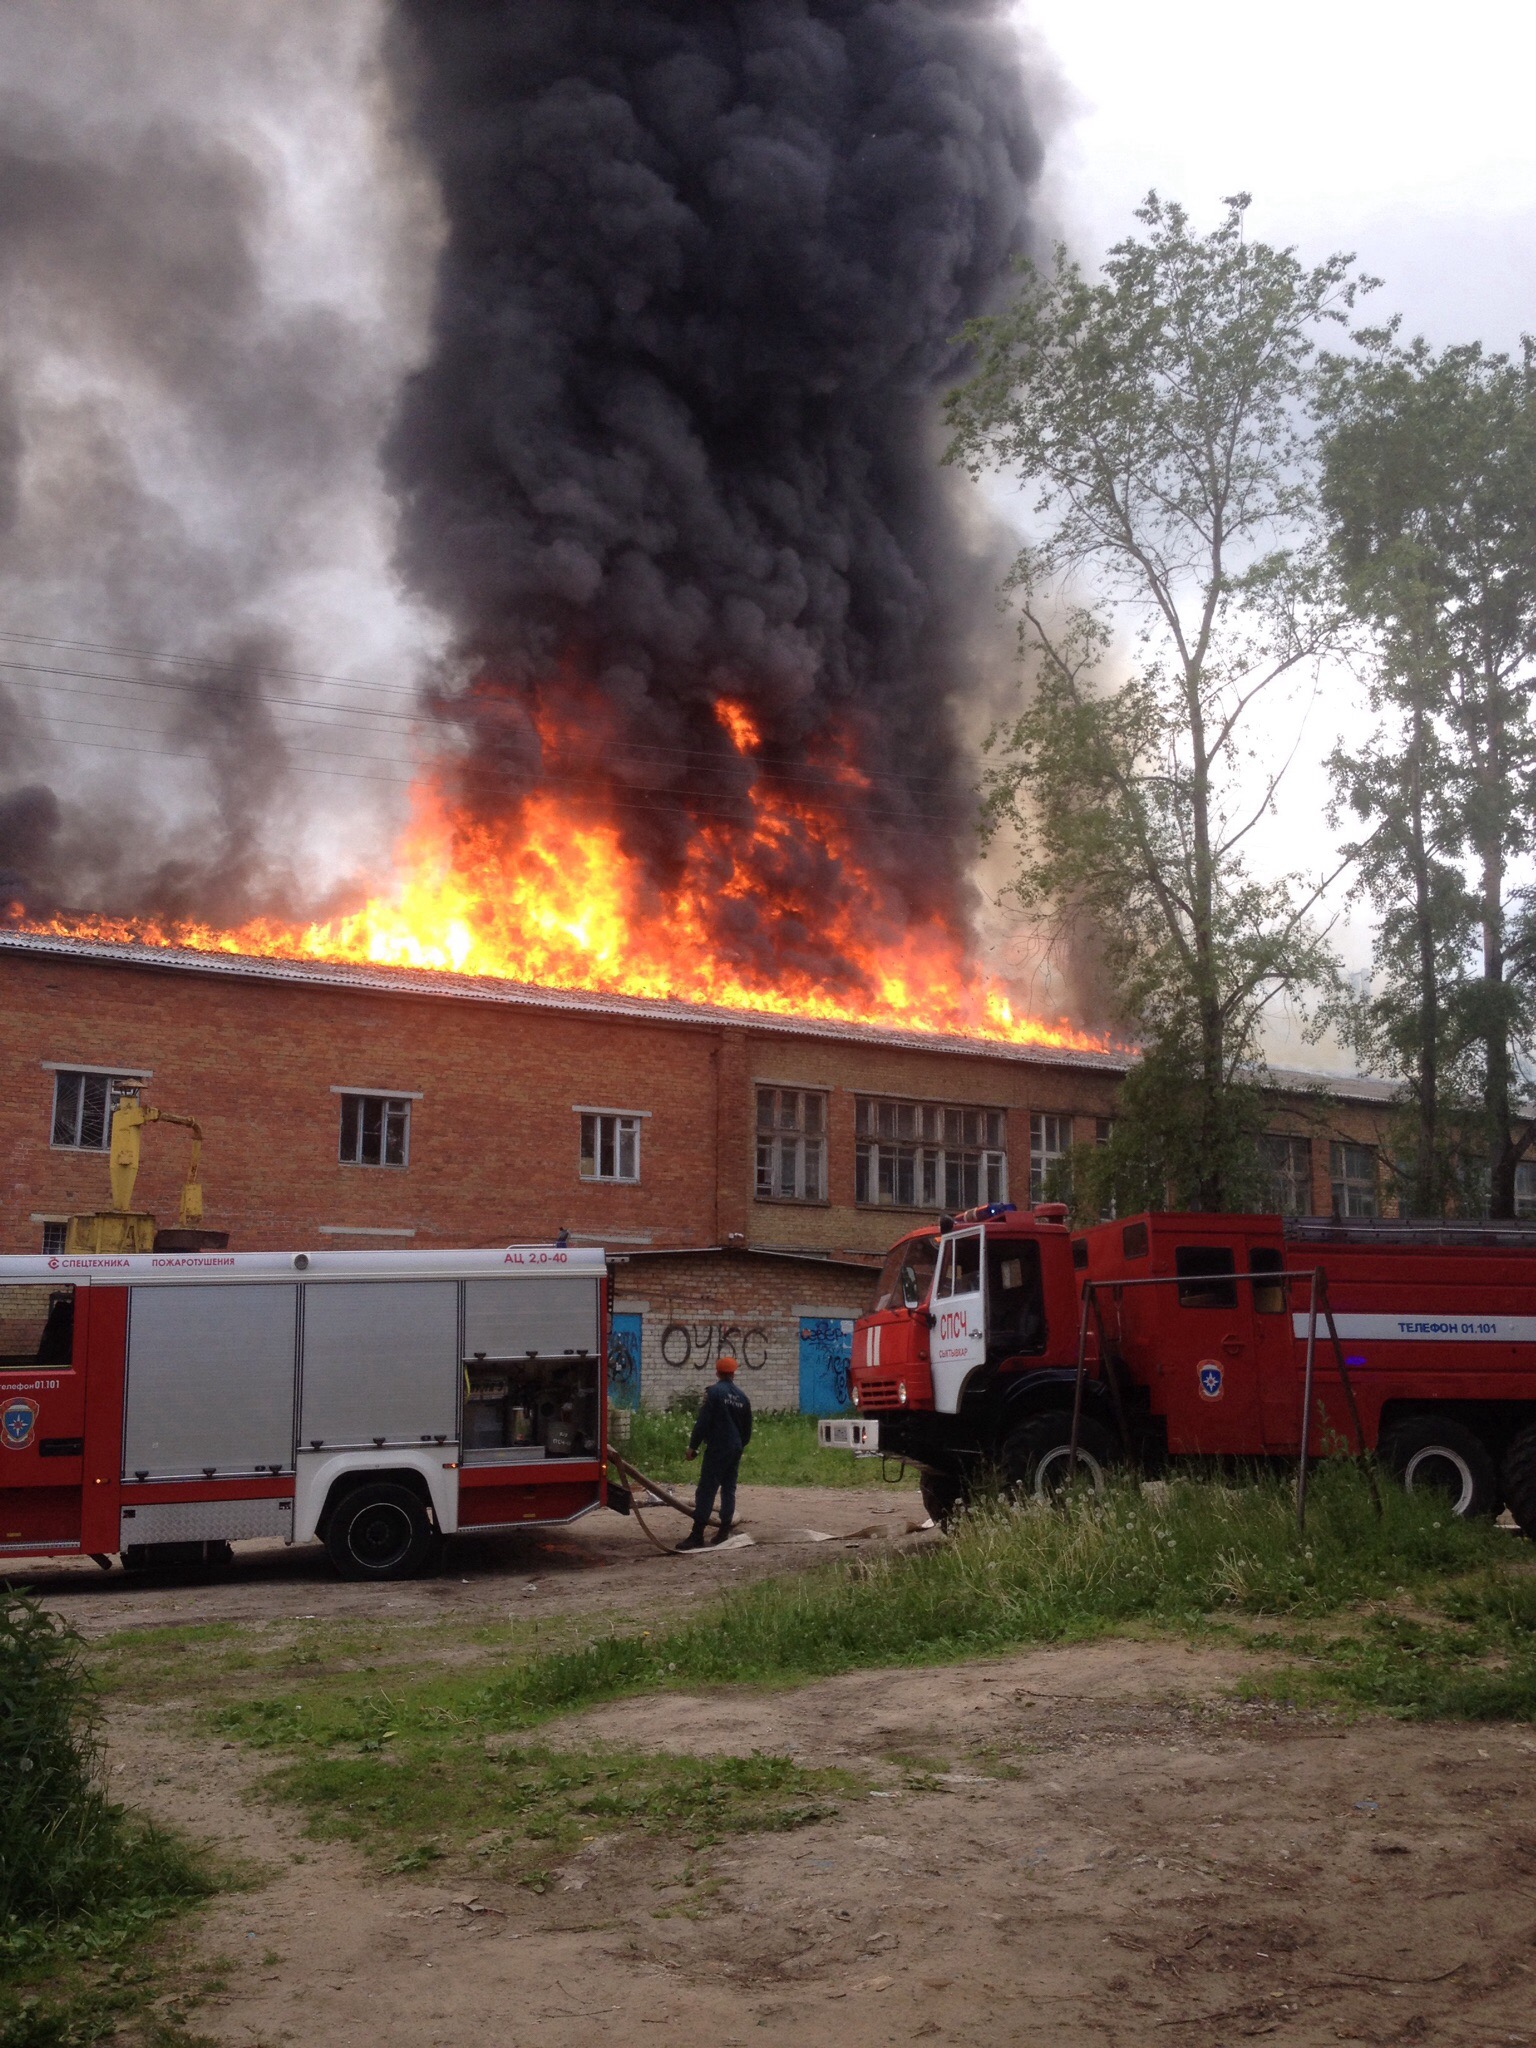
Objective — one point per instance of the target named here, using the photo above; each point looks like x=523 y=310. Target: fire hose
x=661 y=1495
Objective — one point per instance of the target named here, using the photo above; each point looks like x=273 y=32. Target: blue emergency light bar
x=987 y=1213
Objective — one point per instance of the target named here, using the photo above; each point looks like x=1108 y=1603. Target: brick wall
x=494 y=1133
x=493 y=1138
x=694 y=1309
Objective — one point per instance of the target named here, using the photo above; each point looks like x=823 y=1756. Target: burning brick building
x=745 y=1172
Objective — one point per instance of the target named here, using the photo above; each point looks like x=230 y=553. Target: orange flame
x=737 y=720
x=552 y=897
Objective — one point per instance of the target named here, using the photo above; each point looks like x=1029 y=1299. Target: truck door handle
x=1233 y=1346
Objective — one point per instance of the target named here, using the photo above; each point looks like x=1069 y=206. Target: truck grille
x=876 y=1394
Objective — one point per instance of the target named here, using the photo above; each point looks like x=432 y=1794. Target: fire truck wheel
x=380 y=1532
x=1520 y=1480
x=943 y=1497
x=1037 y=1455
x=1430 y=1453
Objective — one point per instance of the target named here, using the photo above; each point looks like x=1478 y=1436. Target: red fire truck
x=1194 y=1333
x=160 y=1406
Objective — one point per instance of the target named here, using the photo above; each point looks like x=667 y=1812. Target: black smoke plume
x=676 y=436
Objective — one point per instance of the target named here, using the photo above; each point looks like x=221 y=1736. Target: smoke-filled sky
x=669 y=414
x=593 y=349
x=1390 y=127
x=676 y=438
x=215 y=264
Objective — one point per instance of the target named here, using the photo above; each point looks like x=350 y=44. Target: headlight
x=855 y=1397
x=901 y=1392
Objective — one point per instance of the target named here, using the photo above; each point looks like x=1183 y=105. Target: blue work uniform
x=723 y=1430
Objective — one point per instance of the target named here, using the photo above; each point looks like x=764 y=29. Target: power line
x=86 y=675
x=649 y=747
x=661 y=806
x=643 y=750
x=203 y=661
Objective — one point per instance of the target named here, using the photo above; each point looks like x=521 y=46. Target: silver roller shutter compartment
x=510 y=1318
x=210 y=1380
x=381 y=1362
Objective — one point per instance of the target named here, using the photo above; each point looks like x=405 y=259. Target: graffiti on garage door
x=694 y=1347
x=826 y=1353
x=624 y=1347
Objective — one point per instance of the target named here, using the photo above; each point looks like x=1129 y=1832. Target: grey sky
x=1398 y=130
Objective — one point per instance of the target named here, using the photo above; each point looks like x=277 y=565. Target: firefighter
x=724 y=1428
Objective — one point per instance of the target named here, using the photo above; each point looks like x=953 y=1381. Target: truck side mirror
x=909 y=1293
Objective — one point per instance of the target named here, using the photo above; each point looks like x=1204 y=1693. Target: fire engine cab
x=1193 y=1333
x=158 y=1407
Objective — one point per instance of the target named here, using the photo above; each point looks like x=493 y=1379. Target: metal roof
x=478 y=988
x=807 y=1256
x=473 y=988
x=1340 y=1087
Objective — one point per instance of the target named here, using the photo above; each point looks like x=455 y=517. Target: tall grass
x=1175 y=1555
x=70 y=1860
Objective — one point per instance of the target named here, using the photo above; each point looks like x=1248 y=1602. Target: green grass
x=1178 y=1557
x=411 y=1775
x=783 y=1452
x=1440 y=1618
x=432 y=1789
x=81 y=1883
x=1471 y=1657
x=266 y=1658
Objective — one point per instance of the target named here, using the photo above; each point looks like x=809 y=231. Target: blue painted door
x=624 y=1361
x=826 y=1352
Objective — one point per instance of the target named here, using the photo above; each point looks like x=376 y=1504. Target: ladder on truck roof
x=1389 y=1230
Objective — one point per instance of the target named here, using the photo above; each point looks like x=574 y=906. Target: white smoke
x=216 y=259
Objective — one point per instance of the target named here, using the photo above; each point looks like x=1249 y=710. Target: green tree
x=1429 y=487
x=1160 y=415
x=1415 y=1022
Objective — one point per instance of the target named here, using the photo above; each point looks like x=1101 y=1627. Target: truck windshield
x=914 y=1257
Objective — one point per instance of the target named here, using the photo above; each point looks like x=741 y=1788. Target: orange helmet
x=727 y=1365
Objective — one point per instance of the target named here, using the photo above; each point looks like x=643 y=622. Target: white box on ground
x=844 y=1434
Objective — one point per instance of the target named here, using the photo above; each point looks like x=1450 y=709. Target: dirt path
x=1155 y=1866
x=603 y=1562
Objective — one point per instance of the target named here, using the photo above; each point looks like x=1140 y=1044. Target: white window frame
x=626 y=1125
x=1046 y=1124
x=390 y=1105
x=119 y=1081
x=777 y=1140
x=924 y=1153
x=1349 y=1185
x=1299 y=1184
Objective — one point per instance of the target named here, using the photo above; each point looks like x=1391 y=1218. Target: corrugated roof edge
x=486 y=989
x=469 y=988
x=870 y=1265
x=1343 y=1087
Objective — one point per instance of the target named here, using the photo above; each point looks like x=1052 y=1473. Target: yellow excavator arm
x=128 y=1120
x=122 y=1228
